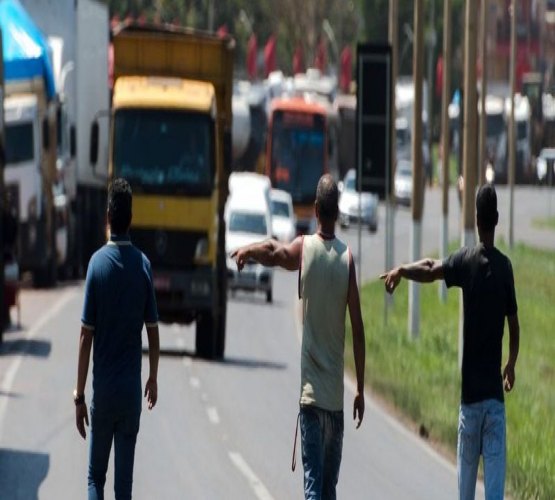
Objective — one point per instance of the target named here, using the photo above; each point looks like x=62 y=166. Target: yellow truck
x=170 y=137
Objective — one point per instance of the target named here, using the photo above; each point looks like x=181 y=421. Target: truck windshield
x=298 y=154
x=247 y=222
x=19 y=143
x=164 y=151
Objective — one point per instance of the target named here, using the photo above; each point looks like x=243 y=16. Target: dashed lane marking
x=256 y=485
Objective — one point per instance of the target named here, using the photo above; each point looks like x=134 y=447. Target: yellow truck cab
x=171 y=139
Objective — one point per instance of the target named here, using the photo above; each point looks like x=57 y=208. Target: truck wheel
x=269 y=296
x=45 y=276
x=220 y=332
x=204 y=338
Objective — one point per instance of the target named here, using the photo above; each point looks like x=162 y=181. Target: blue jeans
x=482 y=432
x=122 y=429
x=322 y=444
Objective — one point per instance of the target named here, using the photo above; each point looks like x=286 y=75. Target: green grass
x=544 y=223
x=421 y=378
x=453 y=171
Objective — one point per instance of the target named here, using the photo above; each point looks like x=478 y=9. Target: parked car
x=403 y=182
x=248 y=220
x=349 y=204
x=283 y=217
x=545 y=166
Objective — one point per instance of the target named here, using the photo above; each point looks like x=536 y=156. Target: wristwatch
x=78 y=399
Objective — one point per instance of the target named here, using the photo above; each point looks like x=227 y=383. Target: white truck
x=78 y=36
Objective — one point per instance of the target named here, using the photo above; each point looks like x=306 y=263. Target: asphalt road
x=220 y=430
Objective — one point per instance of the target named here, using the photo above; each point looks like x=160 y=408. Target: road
x=220 y=430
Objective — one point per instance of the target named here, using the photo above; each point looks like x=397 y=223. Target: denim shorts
x=322 y=445
x=482 y=432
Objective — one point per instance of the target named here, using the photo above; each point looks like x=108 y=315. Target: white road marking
x=213 y=415
x=257 y=486
x=9 y=379
x=187 y=362
x=195 y=382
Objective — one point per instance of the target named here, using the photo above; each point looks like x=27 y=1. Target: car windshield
x=350 y=183
x=280 y=208
x=297 y=156
x=247 y=222
x=164 y=151
x=19 y=143
x=404 y=170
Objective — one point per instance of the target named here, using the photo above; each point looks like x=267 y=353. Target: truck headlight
x=201 y=250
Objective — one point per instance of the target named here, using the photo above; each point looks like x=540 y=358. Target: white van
x=248 y=220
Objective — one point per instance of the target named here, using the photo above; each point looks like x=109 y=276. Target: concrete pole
x=417 y=173
x=445 y=94
x=482 y=159
x=390 y=201
x=2 y=197
x=470 y=122
x=512 y=138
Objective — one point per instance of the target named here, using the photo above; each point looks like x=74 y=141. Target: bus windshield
x=298 y=154
x=164 y=151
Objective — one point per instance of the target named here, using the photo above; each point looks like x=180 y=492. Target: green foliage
x=422 y=378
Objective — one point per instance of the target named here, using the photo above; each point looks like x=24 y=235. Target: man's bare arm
x=85 y=344
x=422 y=271
x=271 y=253
x=514 y=342
x=151 y=387
x=359 y=345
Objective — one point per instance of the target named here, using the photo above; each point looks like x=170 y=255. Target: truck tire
x=45 y=276
x=204 y=338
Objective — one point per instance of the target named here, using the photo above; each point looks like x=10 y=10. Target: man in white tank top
x=327 y=286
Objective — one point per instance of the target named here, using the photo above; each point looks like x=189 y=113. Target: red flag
x=346 y=69
x=270 y=55
x=252 y=49
x=439 y=76
x=298 y=60
x=222 y=31
x=321 y=57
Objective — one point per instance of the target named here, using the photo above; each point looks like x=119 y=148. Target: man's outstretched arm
x=514 y=341
x=422 y=271
x=271 y=253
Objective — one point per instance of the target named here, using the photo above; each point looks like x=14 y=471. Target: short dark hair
x=486 y=207
x=327 y=198
x=119 y=205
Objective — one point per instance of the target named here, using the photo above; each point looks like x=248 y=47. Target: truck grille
x=167 y=249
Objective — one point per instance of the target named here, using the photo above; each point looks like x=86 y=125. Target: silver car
x=349 y=204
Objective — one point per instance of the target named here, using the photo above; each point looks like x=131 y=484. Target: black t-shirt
x=486 y=278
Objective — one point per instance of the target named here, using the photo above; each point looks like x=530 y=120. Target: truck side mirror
x=227 y=150
x=45 y=134
x=72 y=141
x=93 y=152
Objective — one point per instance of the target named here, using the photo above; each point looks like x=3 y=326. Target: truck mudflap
x=182 y=295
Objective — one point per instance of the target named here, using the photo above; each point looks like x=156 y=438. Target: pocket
x=494 y=431
x=469 y=436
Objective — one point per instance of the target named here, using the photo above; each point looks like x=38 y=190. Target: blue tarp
x=25 y=50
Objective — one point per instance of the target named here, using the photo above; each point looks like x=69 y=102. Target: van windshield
x=247 y=222
x=160 y=150
x=19 y=143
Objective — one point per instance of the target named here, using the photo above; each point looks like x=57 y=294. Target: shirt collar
x=119 y=240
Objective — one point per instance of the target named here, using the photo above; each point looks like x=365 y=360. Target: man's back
x=324 y=283
x=486 y=278
x=118 y=301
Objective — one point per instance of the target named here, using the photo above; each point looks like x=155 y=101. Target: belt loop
x=294 y=459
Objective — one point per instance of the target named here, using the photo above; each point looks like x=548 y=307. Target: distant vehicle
x=545 y=166
x=248 y=220
x=298 y=152
x=349 y=205
x=403 y=182
x=283 y=217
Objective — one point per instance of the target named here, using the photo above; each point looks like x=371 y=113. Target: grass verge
x=544 y=223
x=421 y=378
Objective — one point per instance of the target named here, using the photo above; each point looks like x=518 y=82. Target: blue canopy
x=25 y=50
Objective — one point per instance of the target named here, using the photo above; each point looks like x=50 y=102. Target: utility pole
x=512 y=138
x=469 y=142
x=446 y=89
x=390 y=197
x=3 y=207
x=417 y=174
x=482 y=158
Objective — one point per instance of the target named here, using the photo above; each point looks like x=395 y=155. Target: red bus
x=297 y=153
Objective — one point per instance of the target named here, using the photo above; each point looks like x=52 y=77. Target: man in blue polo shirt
x=119 y=299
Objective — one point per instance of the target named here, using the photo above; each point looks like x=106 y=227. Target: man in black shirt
x=485 y=276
